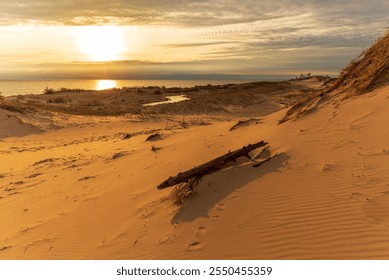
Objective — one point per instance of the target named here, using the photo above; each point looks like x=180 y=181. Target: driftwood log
x=210 y=166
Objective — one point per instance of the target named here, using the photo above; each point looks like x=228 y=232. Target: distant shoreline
x=14 y=87
x=24 y=87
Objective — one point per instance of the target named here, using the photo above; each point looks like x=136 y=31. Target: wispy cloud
x=189 y=13
x=192 y=45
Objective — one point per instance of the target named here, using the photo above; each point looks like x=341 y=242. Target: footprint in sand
x=87 y=178
x=167 y=239
x=33 y=175
x=119 y=155
x=18 y=183
x=357 y=195
x=328 y=167
x=2 y=249
x=377 y=208
x=195 y=246
x=220 y=207
x=45 y=243
x=200 y=231
x=216 y=217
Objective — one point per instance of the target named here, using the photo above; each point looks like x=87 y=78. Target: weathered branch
x=210 y=166
x=265 y=160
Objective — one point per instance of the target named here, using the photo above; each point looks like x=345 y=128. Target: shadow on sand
x=215 y=187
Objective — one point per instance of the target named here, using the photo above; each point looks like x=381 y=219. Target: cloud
x=191 y=45
x=187 y=12
x=270 y=23
x=173 y=12
x=245 y=34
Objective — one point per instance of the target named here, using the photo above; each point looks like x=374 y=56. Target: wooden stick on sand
x=210 y=166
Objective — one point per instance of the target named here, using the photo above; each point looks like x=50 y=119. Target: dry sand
x=84 y=187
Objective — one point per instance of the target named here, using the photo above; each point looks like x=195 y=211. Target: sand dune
x=86 y=188
x=65 y=195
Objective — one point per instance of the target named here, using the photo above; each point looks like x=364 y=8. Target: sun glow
x=105 y=84
x=101 y=43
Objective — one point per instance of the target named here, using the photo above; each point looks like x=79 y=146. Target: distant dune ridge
x=369 y=71
x=76 y=184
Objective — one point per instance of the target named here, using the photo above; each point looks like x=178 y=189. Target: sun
x=100 y=43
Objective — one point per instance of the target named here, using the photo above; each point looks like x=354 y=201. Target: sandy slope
x=81 y=192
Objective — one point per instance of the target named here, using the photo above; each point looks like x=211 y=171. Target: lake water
x=171 y=99
x=16 y=87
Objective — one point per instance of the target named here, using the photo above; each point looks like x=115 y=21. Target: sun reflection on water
x=105 y=84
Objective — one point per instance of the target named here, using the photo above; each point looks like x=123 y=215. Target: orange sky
x=45 y=39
